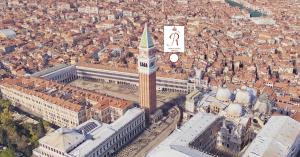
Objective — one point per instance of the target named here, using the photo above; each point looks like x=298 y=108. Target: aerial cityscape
x=149 y=78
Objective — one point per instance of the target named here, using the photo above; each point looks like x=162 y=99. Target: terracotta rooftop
x=72 y=98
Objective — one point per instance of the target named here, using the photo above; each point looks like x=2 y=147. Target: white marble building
x=194 y=139
x=91 y=138
x=202 y=135
x=279 y=137
x=191 y=101
x=236 y=131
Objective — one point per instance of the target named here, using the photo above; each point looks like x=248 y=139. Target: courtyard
x=127 y=92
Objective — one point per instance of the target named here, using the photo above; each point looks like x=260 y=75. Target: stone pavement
x=151 y=137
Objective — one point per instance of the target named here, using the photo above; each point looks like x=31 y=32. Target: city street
x=151 y=137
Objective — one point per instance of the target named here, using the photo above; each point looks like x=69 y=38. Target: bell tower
x=147 y=73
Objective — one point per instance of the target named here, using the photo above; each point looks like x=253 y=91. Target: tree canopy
x=18 y=136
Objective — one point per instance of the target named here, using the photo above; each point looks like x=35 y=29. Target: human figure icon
x=174 y=37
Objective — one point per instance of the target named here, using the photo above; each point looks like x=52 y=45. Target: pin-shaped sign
x=174 y=58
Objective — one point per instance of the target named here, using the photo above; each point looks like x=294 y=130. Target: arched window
x=143 y=64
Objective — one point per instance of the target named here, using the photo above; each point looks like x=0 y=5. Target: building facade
x=20 y=93
x=191 y=101
x=61 y=104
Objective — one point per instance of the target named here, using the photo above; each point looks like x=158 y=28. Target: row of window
x=133 y=78
x=62 y=75
x=57 y=116
x=143 y=64
x=122 y=133
x=51 y=149
x=163 y=84
x=107 y=73
x=117 y=141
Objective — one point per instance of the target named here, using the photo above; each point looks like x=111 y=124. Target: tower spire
x=146 y=40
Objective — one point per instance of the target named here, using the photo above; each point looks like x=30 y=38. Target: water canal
x=253 y=13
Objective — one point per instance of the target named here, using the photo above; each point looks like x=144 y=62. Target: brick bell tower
x=147 y=73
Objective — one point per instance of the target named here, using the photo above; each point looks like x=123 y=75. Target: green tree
x=16 y=136
x=22 y=145
x=41 y=131
x=28 y=150
x=46 y=124
x=7 y=153
x=3 y=137
x=4 y=103
x=34 y=137
x=6 y=117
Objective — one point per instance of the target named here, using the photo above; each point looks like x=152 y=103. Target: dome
x=234 y=110
x=223 y=94
x=263 y=105
x=243 y=97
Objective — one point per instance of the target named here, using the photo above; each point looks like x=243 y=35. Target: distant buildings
x=92 y=139
x=263 y=56
x=8 y=33
x=263 y=21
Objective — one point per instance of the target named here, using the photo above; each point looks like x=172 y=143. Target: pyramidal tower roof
x=146 y=40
